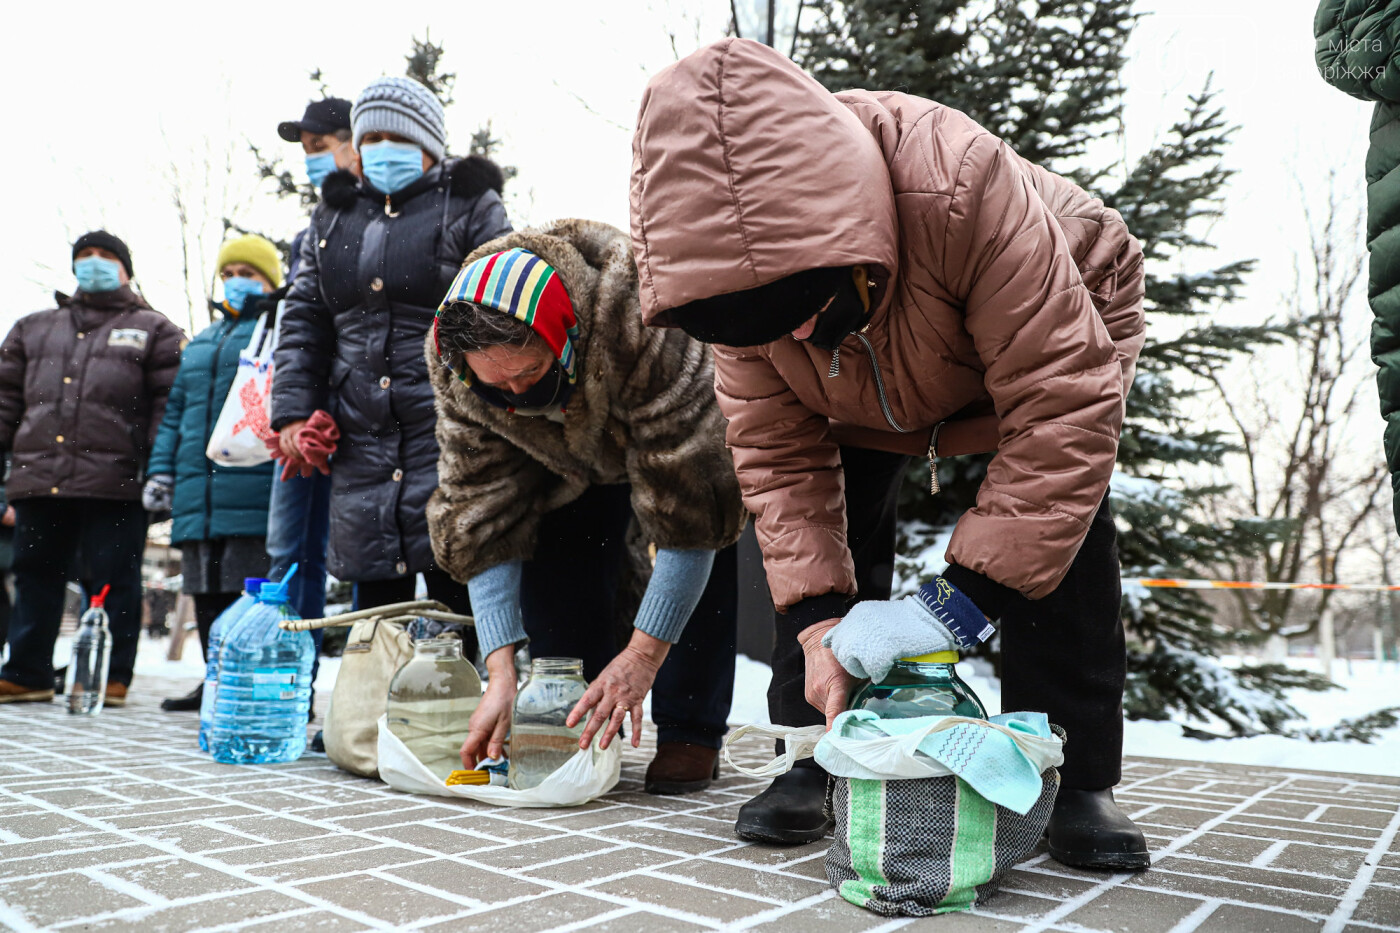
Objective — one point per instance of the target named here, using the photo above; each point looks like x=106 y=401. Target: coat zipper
x=879 y=384
x=209 y=464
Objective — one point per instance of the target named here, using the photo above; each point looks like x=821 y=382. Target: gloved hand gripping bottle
x=431 y=698
x=926 y=685
x=224 y=624
x=87 y=670
x=264 y=688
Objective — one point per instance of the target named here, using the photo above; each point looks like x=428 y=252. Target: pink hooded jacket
x=1006 y=296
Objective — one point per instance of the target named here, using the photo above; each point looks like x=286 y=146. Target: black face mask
x=552 y=391
x=762 y=315
x=845 y=315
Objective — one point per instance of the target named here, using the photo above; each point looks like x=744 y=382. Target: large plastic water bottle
x=221 y=627
x=264 y=691
x=86 y=686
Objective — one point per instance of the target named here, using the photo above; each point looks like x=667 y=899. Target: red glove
x=290 y=467
x=316 y=440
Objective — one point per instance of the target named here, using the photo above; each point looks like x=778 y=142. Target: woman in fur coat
x=560 y=417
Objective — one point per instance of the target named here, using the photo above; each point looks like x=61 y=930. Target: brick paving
x=119 y=823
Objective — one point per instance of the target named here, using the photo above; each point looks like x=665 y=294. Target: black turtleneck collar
x=261 y=304
x=118 y=299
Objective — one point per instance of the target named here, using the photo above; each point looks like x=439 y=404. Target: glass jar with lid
x=926 y=685
x=540 y=743
x=431 y=700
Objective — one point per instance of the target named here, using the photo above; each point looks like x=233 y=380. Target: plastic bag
x=1002 y=757
x=590 y=773
x=240 y=435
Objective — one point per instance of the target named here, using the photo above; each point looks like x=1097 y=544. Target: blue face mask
x=238 y=290
x=96 y=274
x=318 y=166
x=390 y=166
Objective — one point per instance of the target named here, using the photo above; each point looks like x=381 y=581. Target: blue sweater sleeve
x=495 y=595
x=674 y=591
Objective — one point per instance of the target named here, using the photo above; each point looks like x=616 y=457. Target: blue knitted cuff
x=662 y=618
x=959 y=614
x=675 y=588
x=495 y=596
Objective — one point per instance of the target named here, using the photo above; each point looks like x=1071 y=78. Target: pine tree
x=1046 y=78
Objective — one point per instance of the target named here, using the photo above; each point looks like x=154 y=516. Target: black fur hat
x=469 y=177
x=104 y=240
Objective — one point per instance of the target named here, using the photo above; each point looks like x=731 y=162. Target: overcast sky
x=104 y=99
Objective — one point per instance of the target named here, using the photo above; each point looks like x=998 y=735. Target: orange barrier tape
x=1183 y=584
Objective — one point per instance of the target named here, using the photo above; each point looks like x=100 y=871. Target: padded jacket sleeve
x=307 y=343
x=789 y=469
x=1052 y=371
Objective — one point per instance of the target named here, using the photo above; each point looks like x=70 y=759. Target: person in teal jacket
x=1358 y=52
x=219 y=513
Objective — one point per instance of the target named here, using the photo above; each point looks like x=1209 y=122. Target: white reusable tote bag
x=243 y=426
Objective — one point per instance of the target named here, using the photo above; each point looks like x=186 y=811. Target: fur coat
x=643 y=413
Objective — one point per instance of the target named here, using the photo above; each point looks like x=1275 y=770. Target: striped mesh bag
x=927 y=846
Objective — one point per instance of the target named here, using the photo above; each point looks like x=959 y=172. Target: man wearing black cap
x=82 y=391
x=298 y=520
x=324 y=134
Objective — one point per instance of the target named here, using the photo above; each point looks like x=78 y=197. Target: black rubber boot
x=1087 y=830
x=791 y=811
x=185 y=704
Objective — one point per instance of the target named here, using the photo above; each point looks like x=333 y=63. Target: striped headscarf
x=521 y=284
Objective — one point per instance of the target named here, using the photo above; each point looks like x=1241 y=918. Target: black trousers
x=50 y=534
x=1062 y=655
x=568 y=598
x=207 y=607
x=372 y=593
x=5 y=607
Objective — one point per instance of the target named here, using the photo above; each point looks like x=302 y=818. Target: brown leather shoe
x=16 y=693
x=681 y=768
x=115 y=695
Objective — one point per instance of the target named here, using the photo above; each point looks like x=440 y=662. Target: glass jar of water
x=927 y=685
x=431 y=699
x=540 y=743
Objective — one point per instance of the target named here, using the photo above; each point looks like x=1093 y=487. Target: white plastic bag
x=1002 y=758
x=243 y=425
x=590 y=773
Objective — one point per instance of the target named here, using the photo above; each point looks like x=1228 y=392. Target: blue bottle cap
x=271 y=592
x=252 y=585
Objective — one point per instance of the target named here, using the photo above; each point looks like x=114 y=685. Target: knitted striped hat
x=521 y=284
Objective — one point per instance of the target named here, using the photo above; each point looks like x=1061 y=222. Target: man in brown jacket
x=880 y=273
x=82 y=391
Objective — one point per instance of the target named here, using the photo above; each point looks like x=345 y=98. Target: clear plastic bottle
x=540 y=743
x=926 y=685
x=431 y=698
x=86 y=685
x=222 y=626
x=264 y=690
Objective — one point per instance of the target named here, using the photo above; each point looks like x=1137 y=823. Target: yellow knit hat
x=256 y=251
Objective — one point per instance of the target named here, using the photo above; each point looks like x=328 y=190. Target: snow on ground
x=1367 y=686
